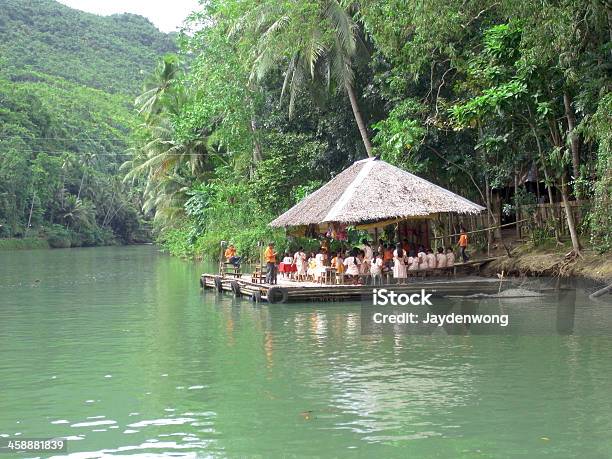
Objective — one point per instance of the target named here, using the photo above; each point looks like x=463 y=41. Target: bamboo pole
x=486 y=229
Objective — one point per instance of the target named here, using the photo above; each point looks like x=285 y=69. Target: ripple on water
x=162 y=422
x=94 y=423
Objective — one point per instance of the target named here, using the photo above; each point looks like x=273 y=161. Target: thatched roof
x=374 y=190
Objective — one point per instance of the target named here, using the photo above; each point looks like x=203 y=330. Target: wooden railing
x=483 y=229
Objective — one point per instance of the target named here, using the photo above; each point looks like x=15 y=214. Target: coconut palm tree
x=162 y=160
x=321 y=47
x=159 y=86
x=78 y=213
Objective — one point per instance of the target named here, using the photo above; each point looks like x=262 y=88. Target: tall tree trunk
x=574 y=140
x=30 y=216
x=570 y=217
x=81 y=186
x=517 y=212
x=608 y=6
x=548 y=185
x=359 y=119
x=257 y=150
x=490 y=217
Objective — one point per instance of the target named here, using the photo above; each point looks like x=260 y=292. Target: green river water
x=117 y=350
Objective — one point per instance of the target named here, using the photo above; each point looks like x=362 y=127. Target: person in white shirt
x=440 y=258
x=364 y=268
x=367 y=249
x=352 y=267
x=399 y=263
x=413 y=261
x=300 y=264
x=285 y=266
x=321 y=260
x=376 y=269
x=430 y=259
x=450 y=257
x=421 y=256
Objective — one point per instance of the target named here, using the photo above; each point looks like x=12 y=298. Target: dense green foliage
x=469 y=94
x=109 y=53
x=67 y=82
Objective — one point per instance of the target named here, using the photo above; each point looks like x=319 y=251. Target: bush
x=58 y=237
x=23 y=244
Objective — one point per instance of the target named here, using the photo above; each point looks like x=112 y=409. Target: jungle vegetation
x=277 y=97
x=67 y=84
x=263 y=101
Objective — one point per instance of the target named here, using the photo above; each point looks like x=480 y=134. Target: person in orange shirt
x=463 y=244
x=387 y=256
x=230 y=255
x=270 y=257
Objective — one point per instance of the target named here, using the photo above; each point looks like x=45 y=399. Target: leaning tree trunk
x=30 y=216
x=257 y=150
x=574 y=140
x=81 y=186
x=257 y=153
x=570 y=217
x=359 y=119
x=548 y=186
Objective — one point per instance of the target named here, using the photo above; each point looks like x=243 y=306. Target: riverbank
x=552 y=261
x=24 y=244
x=33 y=243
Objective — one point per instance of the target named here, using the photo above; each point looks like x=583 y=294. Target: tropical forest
x=208 y=134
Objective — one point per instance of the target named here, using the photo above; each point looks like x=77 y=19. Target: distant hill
x=68 y=80
x=103 y=52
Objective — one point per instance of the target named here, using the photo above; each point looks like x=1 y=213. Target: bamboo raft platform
x=286 y=290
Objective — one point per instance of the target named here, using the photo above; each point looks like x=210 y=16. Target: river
x=117 y=350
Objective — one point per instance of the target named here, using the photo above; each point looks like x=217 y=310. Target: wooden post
x=517 y=213
x=221 y=257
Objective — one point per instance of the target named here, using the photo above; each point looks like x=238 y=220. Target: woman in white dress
x=300 y=264
x=321 y=259
x=352 y=267
x=399 y=264
x=376 y=269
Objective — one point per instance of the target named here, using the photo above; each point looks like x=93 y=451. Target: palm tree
x=78 y=213
x=322 y=49
x=86 y=160
x=159 y=86
x=162 y=161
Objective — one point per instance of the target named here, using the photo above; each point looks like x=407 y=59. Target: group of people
x=361 y=263
x=358 y=264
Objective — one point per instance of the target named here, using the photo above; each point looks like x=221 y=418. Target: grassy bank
x=551 y=260
x=24 y=244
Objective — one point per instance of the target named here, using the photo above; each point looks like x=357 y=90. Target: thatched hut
x=373 y=193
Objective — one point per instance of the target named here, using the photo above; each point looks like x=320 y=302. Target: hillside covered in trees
x=67 y=85
x=281 y=96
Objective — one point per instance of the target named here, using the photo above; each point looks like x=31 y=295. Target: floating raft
x=289 y=291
